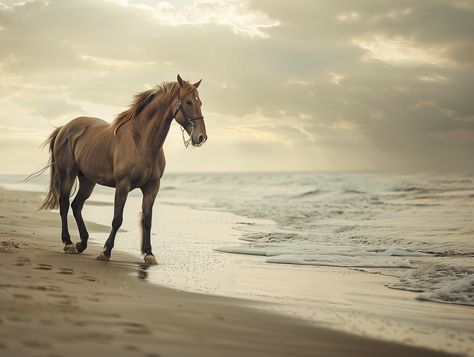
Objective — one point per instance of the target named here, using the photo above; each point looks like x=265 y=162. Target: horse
x=125 y=154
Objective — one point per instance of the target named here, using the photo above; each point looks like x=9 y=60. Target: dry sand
x=53 y=304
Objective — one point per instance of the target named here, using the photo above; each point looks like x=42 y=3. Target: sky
x=303 y=85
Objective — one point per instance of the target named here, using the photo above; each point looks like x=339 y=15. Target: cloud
x=449 y=113
x=431 y=78
x=234 y=14
x=301 y=82
x=284 y=129
x=11 y=133
x=335 y=78
x=402 y=51
x=455 y=136
x=115 y=63
x=393 y=14
x=343 y=125
x=348 y=16
x=277 y=78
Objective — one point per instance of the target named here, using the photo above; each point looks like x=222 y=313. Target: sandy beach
x=54 y=304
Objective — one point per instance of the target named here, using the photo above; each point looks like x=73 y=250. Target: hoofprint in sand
x=59 y=304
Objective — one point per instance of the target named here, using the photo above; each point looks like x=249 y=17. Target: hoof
x=103 y=257
x=69 y=249
x=80 y=247
x=150 y=260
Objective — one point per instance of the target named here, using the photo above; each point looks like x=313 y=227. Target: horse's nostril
x=201 y=138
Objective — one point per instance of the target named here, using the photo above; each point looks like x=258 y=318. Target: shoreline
x=53 y=303
x=348 y=300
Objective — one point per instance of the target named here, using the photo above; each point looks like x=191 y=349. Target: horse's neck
x=154 y=127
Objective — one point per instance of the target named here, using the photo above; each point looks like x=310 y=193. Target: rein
x=187 y=120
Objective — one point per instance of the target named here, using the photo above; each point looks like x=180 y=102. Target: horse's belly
x=108 y=183
x=98 y=176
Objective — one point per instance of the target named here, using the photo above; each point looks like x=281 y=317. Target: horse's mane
x=142 y=99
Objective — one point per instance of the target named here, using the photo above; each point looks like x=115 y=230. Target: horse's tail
x=51 y=200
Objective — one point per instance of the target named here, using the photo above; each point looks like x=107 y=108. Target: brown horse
x=126 y=154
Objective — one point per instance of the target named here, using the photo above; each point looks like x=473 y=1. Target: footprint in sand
x=88 y=278
x=65 y=271
x=44 y=267
x=18 y=319
x=139 y=332
x=133 y=324
x=136 y=328
x=48 y=322
x=8 y=246
x=36 y=344
x=22 y=261
x=97 y=337
x=94 y=299
x=132 y=348
x=62 y=296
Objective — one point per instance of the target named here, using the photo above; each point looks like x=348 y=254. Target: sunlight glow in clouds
x=349 y=16
x=448 y=113
x=234 y=14
x=432 y=78
x=392 y=15
x=343 y=125
x=305 y=85
x=258 y=128
x=109 y=62
x=300 y=82
x=335 y=78
x=401 y=51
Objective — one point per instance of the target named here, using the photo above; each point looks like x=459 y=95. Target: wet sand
x=53 y=304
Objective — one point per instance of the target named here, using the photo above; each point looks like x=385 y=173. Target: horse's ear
x=197 y=83
x=180 y=81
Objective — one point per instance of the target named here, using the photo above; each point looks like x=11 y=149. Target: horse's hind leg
x=66 y=181
x=85 y=189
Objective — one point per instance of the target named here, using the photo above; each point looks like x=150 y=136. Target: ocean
x=380 y=255
x=419 y=228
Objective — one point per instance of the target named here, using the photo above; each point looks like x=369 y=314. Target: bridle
x=187 y=120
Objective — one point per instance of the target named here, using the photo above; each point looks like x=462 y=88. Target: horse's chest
x=141 y=174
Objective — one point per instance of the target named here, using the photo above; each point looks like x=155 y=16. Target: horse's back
x=88 y=122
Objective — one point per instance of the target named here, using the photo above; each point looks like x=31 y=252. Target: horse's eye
x=188 y=102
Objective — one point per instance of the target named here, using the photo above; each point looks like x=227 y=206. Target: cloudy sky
x=287 y=85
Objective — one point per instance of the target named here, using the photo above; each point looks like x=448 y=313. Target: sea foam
x=344 y=256
x=440 y=283
x=459 y=291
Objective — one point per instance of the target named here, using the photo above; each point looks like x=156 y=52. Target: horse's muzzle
x=202 y=139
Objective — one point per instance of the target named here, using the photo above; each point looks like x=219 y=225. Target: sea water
x=357 y=252
x=419 y=227
x=422 y=223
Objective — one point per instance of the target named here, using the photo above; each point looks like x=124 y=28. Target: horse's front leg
x=121 y=193
x=149 y=194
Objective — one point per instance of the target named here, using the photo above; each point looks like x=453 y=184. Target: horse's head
x=188 y=112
